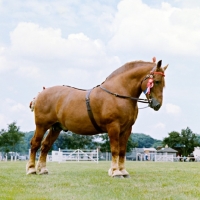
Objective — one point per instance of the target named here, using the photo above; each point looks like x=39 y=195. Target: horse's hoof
x=118 y=176
x=110 y=172
x=115 y=174
x=43 y=172
x=126 y=176
x=31 y=171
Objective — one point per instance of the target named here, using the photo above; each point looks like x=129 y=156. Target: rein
x=125 y=97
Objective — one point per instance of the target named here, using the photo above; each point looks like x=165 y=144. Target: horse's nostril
x=157 y=107
x=155 y=104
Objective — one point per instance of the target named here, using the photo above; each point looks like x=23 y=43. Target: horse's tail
x=32 y=103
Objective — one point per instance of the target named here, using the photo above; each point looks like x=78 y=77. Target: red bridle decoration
x=150 y=81
x=161 y=73
x=149 y=86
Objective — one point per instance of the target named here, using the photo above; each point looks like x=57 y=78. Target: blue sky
x=79 y=43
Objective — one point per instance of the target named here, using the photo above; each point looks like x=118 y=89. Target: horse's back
x=57 y=97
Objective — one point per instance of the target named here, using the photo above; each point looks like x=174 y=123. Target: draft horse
x=107 y=108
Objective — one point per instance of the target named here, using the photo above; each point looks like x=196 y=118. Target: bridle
x=150 y=82
x=150 y=85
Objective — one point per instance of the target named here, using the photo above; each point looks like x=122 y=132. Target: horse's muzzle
x=155 y=104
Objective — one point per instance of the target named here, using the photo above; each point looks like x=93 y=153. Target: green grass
x=89 y=181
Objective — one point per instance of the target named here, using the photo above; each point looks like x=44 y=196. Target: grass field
x=89 y=181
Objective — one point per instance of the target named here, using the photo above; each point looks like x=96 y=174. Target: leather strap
x=91 y=116
x=125 y=97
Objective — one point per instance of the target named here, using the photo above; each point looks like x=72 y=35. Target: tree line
x=14 y=140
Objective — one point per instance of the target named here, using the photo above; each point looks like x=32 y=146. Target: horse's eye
x=157 y=82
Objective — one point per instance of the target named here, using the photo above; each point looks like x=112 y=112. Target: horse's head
x=154 y=84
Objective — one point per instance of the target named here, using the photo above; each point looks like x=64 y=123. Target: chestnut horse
x=112 y=109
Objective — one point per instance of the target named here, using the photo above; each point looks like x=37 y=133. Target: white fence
x=13 y=156
x=171 y=158
x=145 y=157
x=75 y=155
x=164 y=158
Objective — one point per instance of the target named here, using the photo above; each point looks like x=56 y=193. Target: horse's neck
x=129 y=82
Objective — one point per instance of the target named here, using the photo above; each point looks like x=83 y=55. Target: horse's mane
x=126 y=67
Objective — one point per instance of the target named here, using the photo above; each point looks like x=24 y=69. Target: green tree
x=157 y=143
x=173 y=141
x=144 y=140
x=189 y=141
x=198 y=138
x=27 y=139
x=71 y=140
x=184 y=142
x=11 y=137
x=131 y=144
x=105 y=144
x=61 y=142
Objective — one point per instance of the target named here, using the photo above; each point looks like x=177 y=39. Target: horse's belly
x=80 y=127
x=75 y=118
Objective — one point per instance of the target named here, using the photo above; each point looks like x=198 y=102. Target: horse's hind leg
x=35 y=144
x=45 y=147
x=122 y=152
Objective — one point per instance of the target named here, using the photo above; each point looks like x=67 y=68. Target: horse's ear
x=159 y=63
x=165 y=67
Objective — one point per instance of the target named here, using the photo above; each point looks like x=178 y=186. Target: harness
x=89 y=110
x=146 y=91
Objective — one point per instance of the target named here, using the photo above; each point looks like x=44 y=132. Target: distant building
x=151 y=154
x=196 y=153
x=167 y=151
x=142 y=154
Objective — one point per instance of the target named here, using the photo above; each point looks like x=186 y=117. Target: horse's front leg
x=122 y=152
x=35 y=144
x=45 y=147
x=114 y=146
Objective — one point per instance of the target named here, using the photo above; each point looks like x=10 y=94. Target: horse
x=110 y=107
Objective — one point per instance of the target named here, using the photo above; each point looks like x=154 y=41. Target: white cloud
x=172 y=109
x=175 y=30
x=13 y=106
x=3 y=121
x=72 y=74
x=15 y=111
x=5 y=64
x=29 y=71
x=188 y=4
x=31 y=42
x=160 y=126
x=9 y=101
x=2 y=64
x=2 y=49
x=18 y=108
x=29 y=39
x=40 y=52
x=79 y=36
